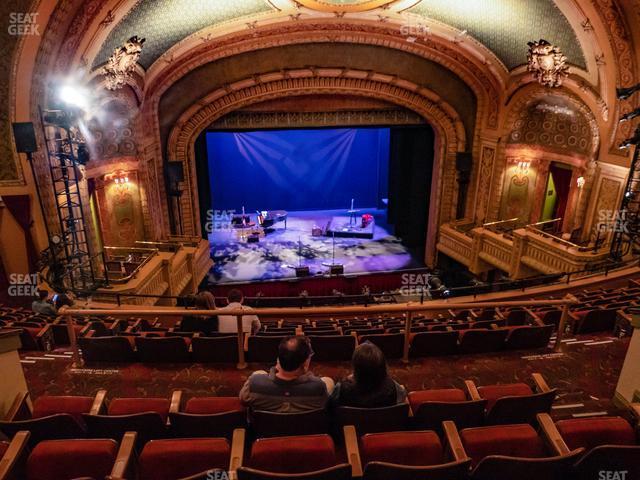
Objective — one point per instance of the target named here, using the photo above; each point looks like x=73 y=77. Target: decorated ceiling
x=503 y=26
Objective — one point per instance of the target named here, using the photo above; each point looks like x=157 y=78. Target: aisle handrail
x=408 y=309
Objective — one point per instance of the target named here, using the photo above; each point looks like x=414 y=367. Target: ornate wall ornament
x=122 y=63
x=547 y=63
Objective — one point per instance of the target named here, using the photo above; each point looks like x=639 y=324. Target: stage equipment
x=626 y=223
x=67 y=153
x=624 y=93
x=334 y=268
x=547 y=63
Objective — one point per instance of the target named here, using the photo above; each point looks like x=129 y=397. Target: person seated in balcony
x=42 y=305
x=62 y=300
x=204 y=324
x=229 y=324
x=289 y=387
x=370 y=386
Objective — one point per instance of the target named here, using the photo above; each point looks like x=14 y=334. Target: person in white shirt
x=229 y=324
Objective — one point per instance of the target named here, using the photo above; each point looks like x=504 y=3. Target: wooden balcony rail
x=408 y=310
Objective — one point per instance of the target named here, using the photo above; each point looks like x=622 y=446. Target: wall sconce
x=522 y=169
x=120 y=179
x=580 y=181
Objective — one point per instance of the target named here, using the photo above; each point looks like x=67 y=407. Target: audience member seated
x=204 y=324
x=42 y=305
x=370 y=386
x=289 y=387
x=229 y=323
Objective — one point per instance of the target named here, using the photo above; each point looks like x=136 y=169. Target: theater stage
x=275 y=255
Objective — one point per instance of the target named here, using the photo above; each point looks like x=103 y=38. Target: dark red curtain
x=562 y=181
x=20 y=208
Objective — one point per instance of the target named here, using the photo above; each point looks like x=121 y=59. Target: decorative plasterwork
x=446 y=124
x=349 y=6
x=505 y=26
x=166 y=22
x=261 y=120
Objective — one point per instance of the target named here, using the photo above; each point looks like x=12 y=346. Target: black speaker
x=25 y=137
x=302 y=271
x=175 y=172
x=253 y=239
x=336 y=269
x=464 y=162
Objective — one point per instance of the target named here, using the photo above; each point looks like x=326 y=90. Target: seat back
x=467 y=414
x=446 y=471
x=215 y=349
x=106 y=350
x=516 y=317
x=190 y=425
x=300 y=454
x=597 y=321
x=593 y=432
x=333 y=347
x=173 y=459
x=54 y=427
x=271 y=424
x=162 y=350
x=391 y=344
x=434 y=343
x=372 y=420
x=339 y=472
x=67 y=459
x=529 y=337
x=611 y=458
x=263 y=348
x=47 y=405
x=149 y=426
x=497 y=467
x=482 y=341
x=520 y=409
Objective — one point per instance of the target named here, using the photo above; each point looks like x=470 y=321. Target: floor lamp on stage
x=336 y=268
x=301 y=270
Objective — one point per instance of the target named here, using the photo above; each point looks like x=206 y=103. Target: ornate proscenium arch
x=450 y=135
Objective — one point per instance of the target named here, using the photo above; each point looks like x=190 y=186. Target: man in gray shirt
x=289 y=387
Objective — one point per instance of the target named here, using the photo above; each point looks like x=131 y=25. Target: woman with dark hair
x=370 y=386
x=204 y=300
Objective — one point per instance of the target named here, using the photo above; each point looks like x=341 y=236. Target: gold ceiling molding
x=346 y=6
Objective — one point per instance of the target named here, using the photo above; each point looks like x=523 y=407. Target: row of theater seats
x=71 y=417
x=212 y=433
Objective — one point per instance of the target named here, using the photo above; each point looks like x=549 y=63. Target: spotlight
x=635 y=140
x=630 y=116
x=74 y=96
x=83 y=154
x=624 y=93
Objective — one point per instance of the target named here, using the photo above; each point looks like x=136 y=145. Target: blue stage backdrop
x=298 y=169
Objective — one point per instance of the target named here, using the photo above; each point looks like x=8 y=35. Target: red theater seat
x=404 y=448
x=492 y=393
x=514 y=402
x=373 y=420
x=309 y=457
x=508 y=452
x=611 y=445
x=209 y=417
x=175 y=459
x=49 y=405
x=272 y=424
x=212 y=405
x=71 y=459
x=131 y=406
x=431 y=407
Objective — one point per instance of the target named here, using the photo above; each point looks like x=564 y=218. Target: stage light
x=580 y=181
x=630 y=116
x=74 y=96
x=635 y=140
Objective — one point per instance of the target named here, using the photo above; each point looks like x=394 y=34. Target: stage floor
x=274 y=255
